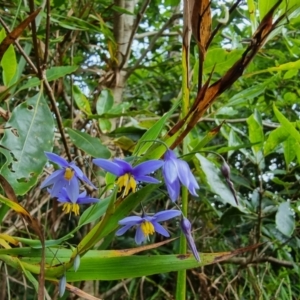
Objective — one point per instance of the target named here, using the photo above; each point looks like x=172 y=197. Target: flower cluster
x=65 y=184
x=175 y=172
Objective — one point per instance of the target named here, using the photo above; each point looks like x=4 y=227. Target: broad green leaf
x=256 y=137
x=276 y=137
x=94 y=212
x=264 y=6
x=8 y=62
x=256 y=134
x=51 y=74
x=285 y=221
x=235 y=142
x=220 y=59
x=90 y=145
x=29 y=132
x=250 y=93
x=217 y=186
x=105 y=125
x=152 y=134
x=283 y=67
x=112 y=264
x=289 y=128
x=81 y=100
x=252 y=9
x=289 y=150
x=105 y=102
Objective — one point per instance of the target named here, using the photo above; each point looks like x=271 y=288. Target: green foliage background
x=76 y=111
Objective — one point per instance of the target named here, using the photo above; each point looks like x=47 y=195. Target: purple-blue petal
x=126 y=167
x=122 y=230
x=147 y=167
x=160 y=229
x=109 y=166
x=57 y=159
x=187 y=231
x=57 y=187
x=174 y=189
x=87 y=200
x=169 y=155
x=81 y=175
x=170 y=171
x=184 y=172
x=166 y=215
x=55 y=176
x=148 y=179
x=139 y=236
x=72 y=188
x=134 y=220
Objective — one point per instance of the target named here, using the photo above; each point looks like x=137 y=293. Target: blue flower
x=67 y=176
x=72 y=205
x=147 y=225
x=186 y=227
x=129 y=175
x=175 y=171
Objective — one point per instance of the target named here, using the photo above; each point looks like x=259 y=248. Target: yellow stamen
x=128 y=182
x=147 y=228
x=71 y=207
x=69 y=173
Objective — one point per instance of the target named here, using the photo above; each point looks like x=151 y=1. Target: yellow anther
x=147 y=228
x=71 y=207
x=128 y=182
x=69 y=173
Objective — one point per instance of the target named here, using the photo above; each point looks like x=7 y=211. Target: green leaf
x=94 y=212
x=105 y=102
x=256 y=137
x=8 y=62
x=276 y=137
x=51 y=74
x=256 y=134
x=81 y=100
x=152 y=134
x=105 y=125
x=29 y=132
x=283 y=67
x=264 y=6
x=289 y=150
x=220 y=59
x=217 y=186
x=289 y=127
x=88 y=144
x=285 y=221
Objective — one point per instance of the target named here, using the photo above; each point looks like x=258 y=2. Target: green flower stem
x=181 y=276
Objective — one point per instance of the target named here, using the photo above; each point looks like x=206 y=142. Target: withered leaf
x=12 y=36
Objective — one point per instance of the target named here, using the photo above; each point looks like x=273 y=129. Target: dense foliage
x=92 y=94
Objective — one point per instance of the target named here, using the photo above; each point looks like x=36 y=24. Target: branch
x=152 y=43
x=244 y=261
x=133 y=32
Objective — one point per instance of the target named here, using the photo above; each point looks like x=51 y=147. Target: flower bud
x=76 y=262
x=187 y=231
x=62 y=285
x=225 y=169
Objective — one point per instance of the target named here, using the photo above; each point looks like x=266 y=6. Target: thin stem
x=34 y=41
x=48 y=8
x=137 y=22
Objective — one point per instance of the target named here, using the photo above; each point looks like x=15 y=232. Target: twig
x=28 y=60
x=133 y=32
x=48 y=8
x=34 y=41
x=152 y=43
x=243 y=261
x=214 y=32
